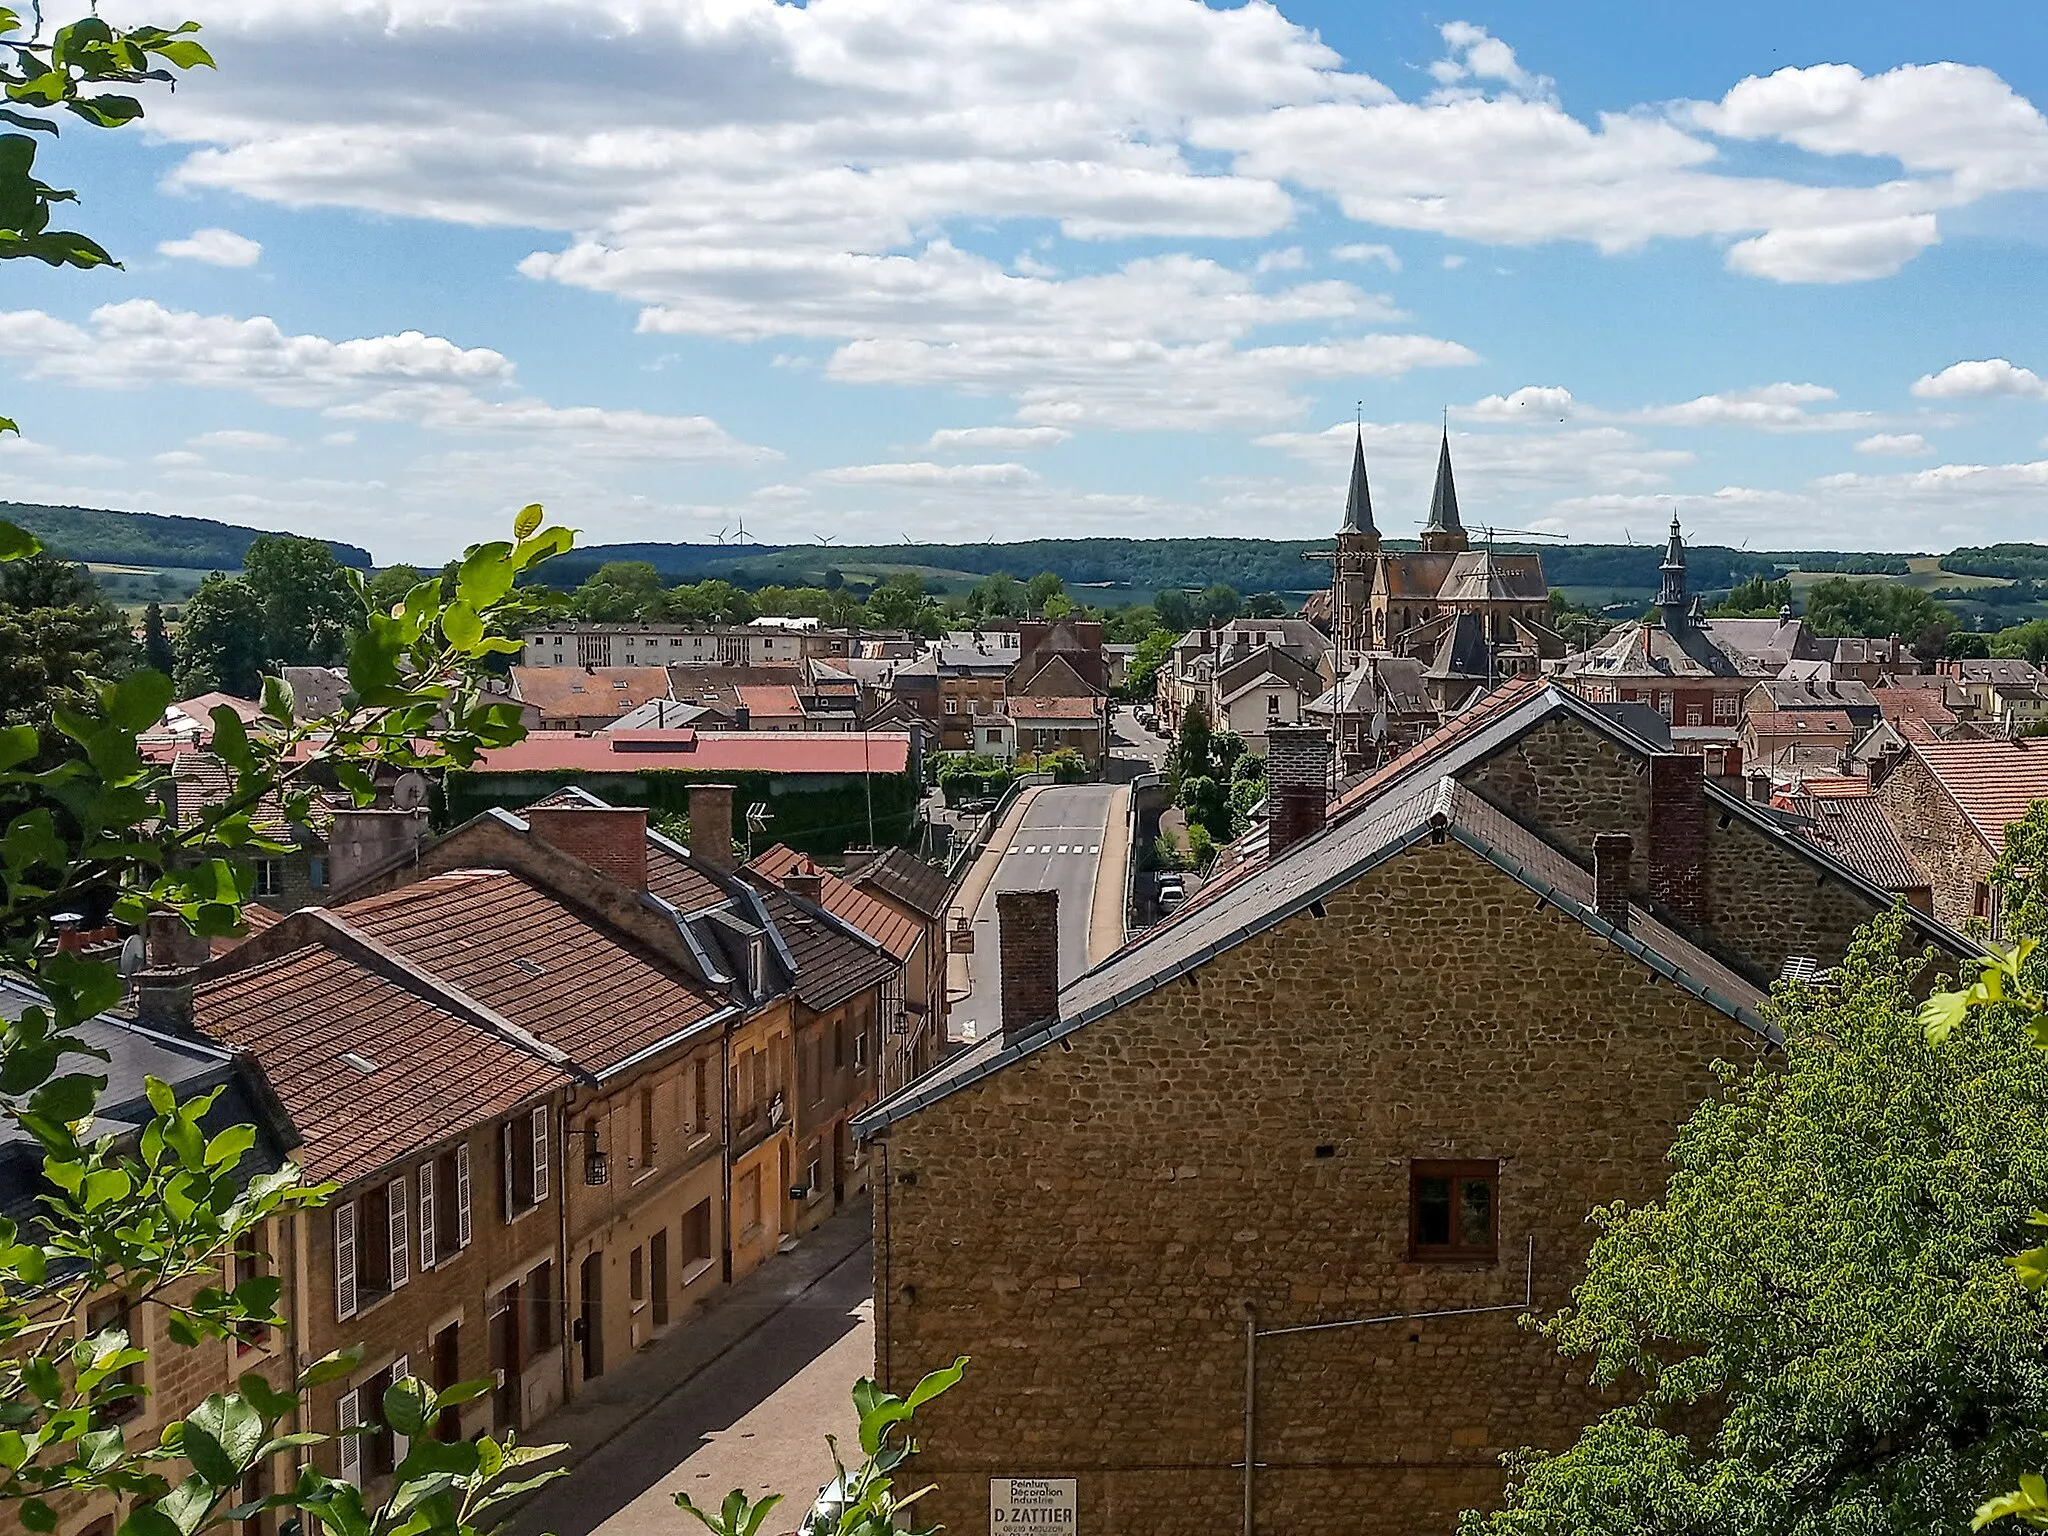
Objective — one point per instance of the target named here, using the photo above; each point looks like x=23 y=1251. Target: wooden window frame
x=1457 y=1171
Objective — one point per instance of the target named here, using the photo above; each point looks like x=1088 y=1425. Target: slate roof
x=875 y=918
x=537 y=960
x=902 y=875
x=1311 y=870
x=1801 y=722
x=2007 y=671
x=1992 y=782
x=588 y=692
x=1358 y=502
x=434 y=1073
x=1481 y=576
x=1646 y=649
x=1416 y=573
x=1856 y=831
x=834 y=960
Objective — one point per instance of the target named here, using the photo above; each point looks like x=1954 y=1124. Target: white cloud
x=1385 y=255
x=178 y=458
x=1767 y=408
x=1838 y=253
x=236 y=438
x=214 y=247
x=1287 y=259
x=919 y=475
x=1894 y=444
x=1526 y=404
x=1980 y=380
x=1001 y=439
x=1454 y=261
x=1476 y=54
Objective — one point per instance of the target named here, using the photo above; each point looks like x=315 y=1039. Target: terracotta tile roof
x=1054 y=708
x=601 y=752
x=1841 y=786
x=566 y=693
x=771 y=702
x=1992 y=782
x=1800 y=722
x=876 y=918
x=1855 y=830
x=536 y=960
x=433 y=1073
x=199 y=779
x=1925 y=704
x=902 y=875
x=679 y=881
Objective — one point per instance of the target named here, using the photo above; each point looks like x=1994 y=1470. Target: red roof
x=1032 y=707
x=1992 y=782
x=1845 y=786
x=881 y=922
x=771 y=702
x=1801 y=722
x=571 y=693
x=702 y=751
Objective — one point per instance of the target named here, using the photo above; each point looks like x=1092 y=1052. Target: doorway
x=593 y=1316
x=657 y=1275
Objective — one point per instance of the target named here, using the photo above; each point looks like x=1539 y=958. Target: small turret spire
x=1671 y=598
x=1444 y=530
x=1358 y=505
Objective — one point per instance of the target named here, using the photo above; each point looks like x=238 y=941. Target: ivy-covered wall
x=818 y=813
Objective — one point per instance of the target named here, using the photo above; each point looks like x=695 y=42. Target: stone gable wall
x=1087 y=1223
x=1939 y=837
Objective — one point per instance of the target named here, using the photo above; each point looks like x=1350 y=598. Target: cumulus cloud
x=1000 y=439
x=1767 y=408
x=925 y=474
x=1529 y=403
x=1894 y=444
x=1385 y=255
x=1980 y=380
x=214 y=247
x=238 y=438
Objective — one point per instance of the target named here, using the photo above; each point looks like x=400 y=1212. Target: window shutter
x=540 y=1154
x=462 y=1196
x=401 y=1247
x=505 y=1184
x=348 y=1416
x=345 y=1261
x=428 y=1247
x=400 y=1369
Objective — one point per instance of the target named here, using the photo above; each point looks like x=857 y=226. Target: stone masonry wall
x=1937 y=835
x=1087 y=1223
x=1573 y=784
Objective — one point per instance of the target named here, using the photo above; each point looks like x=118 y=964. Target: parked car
x=1173 y=894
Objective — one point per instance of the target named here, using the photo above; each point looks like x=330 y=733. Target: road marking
x=1096 y=849
x=1063 y=847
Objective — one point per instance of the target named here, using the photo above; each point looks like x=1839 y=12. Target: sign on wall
x=1032 y=1504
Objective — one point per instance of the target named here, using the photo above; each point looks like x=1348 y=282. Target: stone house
x=174 y=1379
x=1950 y=803
x=1375 y=1078
x=923 y=893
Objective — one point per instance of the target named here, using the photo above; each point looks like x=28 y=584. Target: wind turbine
x=740 y=534
x=825 y=538
x=719 y=537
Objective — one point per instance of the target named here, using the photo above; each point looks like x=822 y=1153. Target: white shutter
x=505 y=1171
x=347 y=1416
x=428 y=1247
x=540 y=1154
x=401 y=1246
x=462 y=1195
x=400 y=1369
x=345 y=1261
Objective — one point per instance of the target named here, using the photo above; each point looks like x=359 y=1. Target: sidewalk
x=1106 y=917
x=620 y=1398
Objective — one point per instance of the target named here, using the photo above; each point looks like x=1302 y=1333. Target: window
x=1453 y=1210
x=444 y=1207
x=1695 y=715
x=811 y=1179
x=372 y=1247
x=646 y=1125
x=269 y=877
x=860 y=1047
x=107 y=1314
x=839 y=1045
x=377 y=1453
x=523 y=1163
x=1664 y=703
x=700 y=1118
x=251 y=1262
x=1725 y=705
x=697 y=1233
x=316 y=872
x=1272 y=705
x=750 y=1201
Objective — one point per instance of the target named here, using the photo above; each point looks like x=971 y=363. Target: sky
x=964 y=270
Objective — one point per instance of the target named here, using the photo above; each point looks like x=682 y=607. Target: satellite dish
x=410 y=792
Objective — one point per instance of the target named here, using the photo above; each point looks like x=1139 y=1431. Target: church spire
x=1444 y=531
x=1671 y=599
x=1358 y=505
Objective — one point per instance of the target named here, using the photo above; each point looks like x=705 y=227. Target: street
x=1128 y=739
x=1058 y=847
x=754 y=1418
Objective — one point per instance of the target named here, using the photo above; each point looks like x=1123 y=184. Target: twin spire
x=1443 y=502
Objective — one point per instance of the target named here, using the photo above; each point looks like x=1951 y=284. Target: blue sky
x=973 y=269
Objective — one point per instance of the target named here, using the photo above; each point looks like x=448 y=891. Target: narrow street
x=756 y=1418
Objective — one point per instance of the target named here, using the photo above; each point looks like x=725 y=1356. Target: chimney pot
x=711 y=826
x=1297 y=785
x=1028 y=937
x=805 y=884
x=611 y=839
x=1612 y=853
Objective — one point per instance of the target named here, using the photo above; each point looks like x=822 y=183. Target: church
x=1472 y=618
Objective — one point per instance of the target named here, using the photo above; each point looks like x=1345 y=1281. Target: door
x=783 y=1223
x=447 y=1372
x=592 y=1320
x=657 y=1275
x=838 y=1165
x=505 y=1362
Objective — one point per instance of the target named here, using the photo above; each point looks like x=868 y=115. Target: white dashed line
x=1096 y=849
x=1063 y=847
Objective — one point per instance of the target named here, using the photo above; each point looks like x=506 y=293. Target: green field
x=137 y=586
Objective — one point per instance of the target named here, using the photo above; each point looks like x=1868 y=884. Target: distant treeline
x=146 y=538
x=2018 y=562
x=1249 y=565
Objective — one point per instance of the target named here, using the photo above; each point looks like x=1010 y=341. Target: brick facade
x=1088 y=1222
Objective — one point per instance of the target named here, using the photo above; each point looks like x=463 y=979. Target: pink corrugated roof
x=702 y=751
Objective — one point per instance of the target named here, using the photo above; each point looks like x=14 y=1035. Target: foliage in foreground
x=1816 y=1316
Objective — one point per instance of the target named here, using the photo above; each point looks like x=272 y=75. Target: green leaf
x=278 y=701
x=527 y=521
x=330 y=1368
x=17 y=744
x=137 y=702
x=459 y=622
x=17 y=543
x=35 y=1515
x=68 y=1098
x=405 y=1407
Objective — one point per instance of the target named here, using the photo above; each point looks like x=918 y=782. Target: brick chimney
x=610 y=839
x=1297 y=784
x=711 y=826
x=163 y=1000
x=806 y=884
x=1612 y=852
x=1028 y=936
x=1678 y=836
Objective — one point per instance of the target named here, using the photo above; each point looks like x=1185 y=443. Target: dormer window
x=757 y=965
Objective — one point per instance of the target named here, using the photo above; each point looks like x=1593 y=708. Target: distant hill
x=145 y=538
x=1146 y=565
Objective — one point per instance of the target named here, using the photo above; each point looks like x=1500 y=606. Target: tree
x=1041 y=589
x=1756 y=598
x=309 y=606
x=1176 y=610
x=56 y=630
x=156 y=640
x=1058 y=606
x=220 y=645
x=1840 y=606
x=996 y=596
x=619 y=592
x=78 y=68
x=1966 y=644
x=899 y=602
x=1817 y=1313
x=2029 y=640
x=1189 y=757
x=1220 y=603
x=1265 y=605
x=1152 y=654
x=391 y=586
